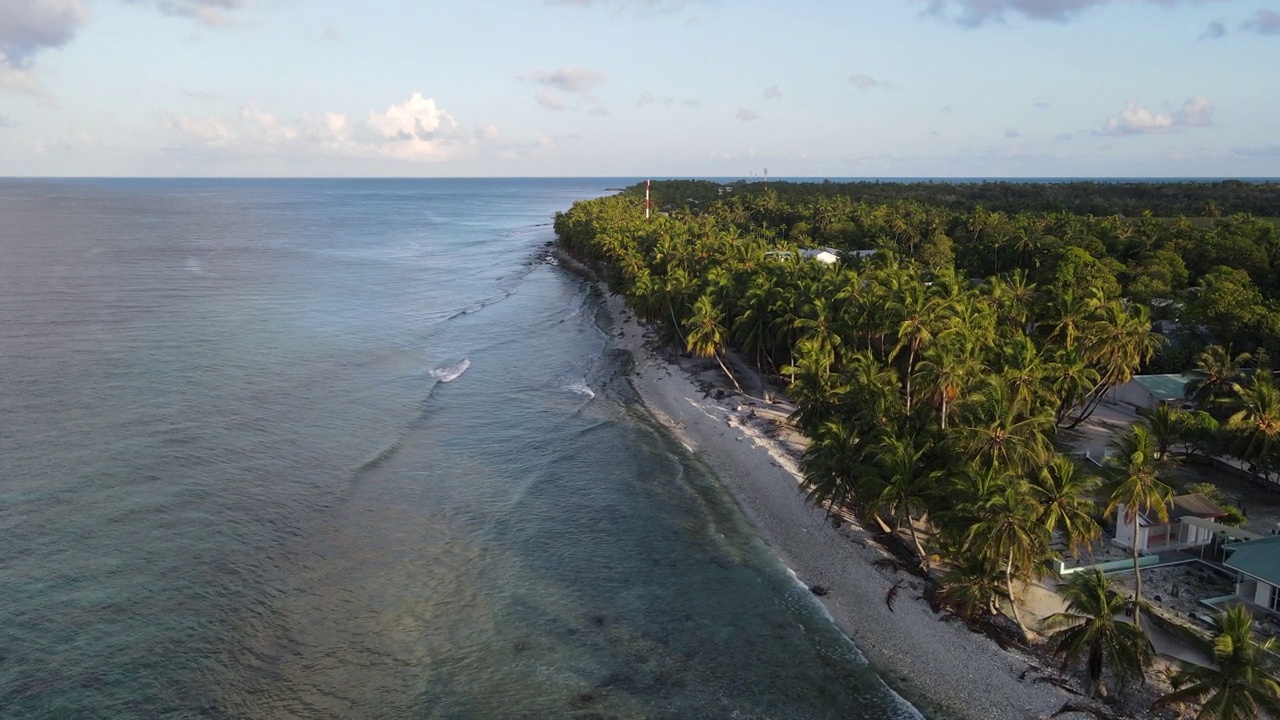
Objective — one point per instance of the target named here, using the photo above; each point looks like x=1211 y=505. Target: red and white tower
x=646 y=199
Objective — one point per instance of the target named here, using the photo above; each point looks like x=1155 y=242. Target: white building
x=1191 y=523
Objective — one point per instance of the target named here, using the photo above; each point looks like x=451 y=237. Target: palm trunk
x=733 y=379
x=911 y=358
x=1013 y=601
x=1137 y=575
x=1095 y=671
x=924 y=557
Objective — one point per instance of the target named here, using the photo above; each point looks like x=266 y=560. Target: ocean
x=360 y=449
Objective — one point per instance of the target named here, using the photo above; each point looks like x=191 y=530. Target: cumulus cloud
x=332 y=33
x=773 y=92
x=865 y=82
x=747 y=114
x=946 y=110
x=1012 y=132
x=973 y=13
x=1063 y=137
x=1041 y=106
x=416 y=130
x=7 y=122
x=28 y=27
x=1263 y=22
x=1214 y=31
x=1137 y=120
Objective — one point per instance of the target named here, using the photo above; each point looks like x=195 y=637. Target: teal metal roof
x=1165 y=387
x=1259 y=558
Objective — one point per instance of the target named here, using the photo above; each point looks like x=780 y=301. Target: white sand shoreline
x=941 y=666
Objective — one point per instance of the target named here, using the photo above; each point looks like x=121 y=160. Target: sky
x=683 y=88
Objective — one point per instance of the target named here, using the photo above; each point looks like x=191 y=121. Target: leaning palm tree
x=905 y=482
x=1089 y=629
x=1136 y=487
x=1061 y=488
x=1242 y=686
x=707 y=334
x=972 y=585
x=1007 y=529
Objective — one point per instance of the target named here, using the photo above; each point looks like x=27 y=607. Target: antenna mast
x=646 y=199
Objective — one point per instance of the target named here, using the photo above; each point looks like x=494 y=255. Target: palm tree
x=1135 y=485
x=1166 y=423
x=1062 y=490
x=1089 y=629
x=972 y=584
x=918 y=311
x=706 y=337
x=1242 y=686
x=1218 y=374
x=1007 y=528
x=994 y=430
x=906 y=482
x=835 y=464
x=1256 y=424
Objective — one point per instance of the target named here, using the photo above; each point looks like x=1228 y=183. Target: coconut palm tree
x=1256 y=425
x=1166 y=423
x=1218 y=374
x=1007 y=528
x=1136 y=486
x=972 y=585
x=905 y=482
x=836 y=464
x=1242 y=686
x=994 y=430
x=1062 y=489
x=1089 y=630
x=706 y=336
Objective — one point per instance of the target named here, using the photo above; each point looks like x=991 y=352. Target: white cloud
x=1041 y=106
x=972 y=13
x=1012 y=132
x=1137 y=120
x=332 y=33
x=865 y=82
x=548 y=99
x=569 y=79
x=746 y=114
x=773 y=92
x=649 y=98
x=1263 y=22
x=576 y=81
x=214 y=13
x=416 y=130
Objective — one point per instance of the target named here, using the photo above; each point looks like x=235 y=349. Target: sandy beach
x=936 y=662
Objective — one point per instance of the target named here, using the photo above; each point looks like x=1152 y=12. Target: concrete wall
x=1132 y=393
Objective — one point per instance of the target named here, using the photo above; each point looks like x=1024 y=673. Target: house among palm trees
x=1192 y=523
x=1148 y=391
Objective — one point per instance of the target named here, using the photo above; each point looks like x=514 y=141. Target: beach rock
x=818 y=590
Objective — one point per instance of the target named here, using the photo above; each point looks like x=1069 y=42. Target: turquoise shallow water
x=355 y=449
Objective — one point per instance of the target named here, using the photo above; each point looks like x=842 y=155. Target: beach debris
x=891 y=595
x=818 y=590
x=1085 y=710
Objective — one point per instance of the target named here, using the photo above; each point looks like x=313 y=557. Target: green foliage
x=1089 y=631
x=1242 y=685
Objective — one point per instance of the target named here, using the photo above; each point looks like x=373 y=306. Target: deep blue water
x=343 y=449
